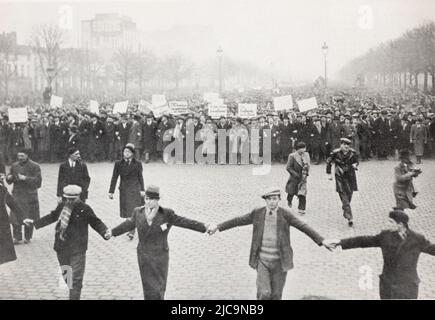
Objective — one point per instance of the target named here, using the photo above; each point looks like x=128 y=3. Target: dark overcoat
x=7 y=250
x=76 y=234
x=130 y=186
x=78 y=175
x=345 y=176
x=400 y=258
x=26 y=192
x=153 y=249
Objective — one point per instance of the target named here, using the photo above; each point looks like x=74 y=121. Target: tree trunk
x=404 y=80
x=416 y=81
x=433 y=83
x=425 y=81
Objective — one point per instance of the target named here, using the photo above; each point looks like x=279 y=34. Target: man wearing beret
x=153 y=223
x=72 y=219
x=346 y=162
x=401 y=248
x=271 y=252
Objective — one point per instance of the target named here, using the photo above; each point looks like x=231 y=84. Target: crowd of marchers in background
x=379 y=124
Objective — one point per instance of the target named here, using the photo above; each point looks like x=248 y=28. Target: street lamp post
x=220 y=54
x=325 y=52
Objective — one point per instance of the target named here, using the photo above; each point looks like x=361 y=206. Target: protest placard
x=307 y=104
x=216 y=112
x=94 y=107
x=247 y=110
x=18 y=115
x=283 y=103
x=144 y=106
x=56 y=102
x=120 y=107
x=178 y=107
x=160 y=110
x=158 y=100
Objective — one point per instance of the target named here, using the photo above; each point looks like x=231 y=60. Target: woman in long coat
x=131 y=186
x=7 y=250
x=418 y=138
x=298 y=166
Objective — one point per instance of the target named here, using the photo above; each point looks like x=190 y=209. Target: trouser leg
x=73 y=269
x=17 y=231
x=264 y=286
x=28 y=232
x=290 y=199
x=278 y=278
x=302 y=202
x=346 y=198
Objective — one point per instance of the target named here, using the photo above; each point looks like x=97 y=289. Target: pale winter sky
x=283 y=36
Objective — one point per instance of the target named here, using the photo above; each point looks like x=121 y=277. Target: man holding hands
x=271 y=252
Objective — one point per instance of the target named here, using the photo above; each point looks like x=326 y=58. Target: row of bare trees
x=398 y=63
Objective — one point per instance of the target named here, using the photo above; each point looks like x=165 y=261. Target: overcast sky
x=283 y=35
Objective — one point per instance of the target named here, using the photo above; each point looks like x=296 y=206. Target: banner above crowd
x=56 y=102
x=283 y=103
x=94 y=107
x=158 y=100
x=178 y=107
x=144 y=106
x=18 y=115
x=307 y=104
x=120 y=107
x=247 y=110
x=215 y=112
x=211 y=97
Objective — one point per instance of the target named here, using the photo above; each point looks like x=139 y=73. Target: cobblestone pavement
x=203 y=267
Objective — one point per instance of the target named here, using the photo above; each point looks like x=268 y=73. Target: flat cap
x=72 y=191
x=271 y=192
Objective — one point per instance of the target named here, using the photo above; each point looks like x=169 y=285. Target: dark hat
x=384 y=112
x=72 y=191
x=152 y=192
x=345 y=141
x=399 y=216
x=271 y=192
x=129 y=146
x=301 y=145
x=137 y=117
x=72 y=150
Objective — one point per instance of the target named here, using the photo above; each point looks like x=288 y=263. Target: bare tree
x=46 y=42
x=8 y=57
x=124 y=61
x=176 y=68
x=144 y=67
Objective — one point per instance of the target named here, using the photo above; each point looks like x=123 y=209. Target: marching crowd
x=376 y=131
x=335 y=133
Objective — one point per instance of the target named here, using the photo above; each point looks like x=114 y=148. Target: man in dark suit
x=401 y=248
x=271 y=252
x=382 y=128
x=153 y=223
x=73 y=171
x=71 y=238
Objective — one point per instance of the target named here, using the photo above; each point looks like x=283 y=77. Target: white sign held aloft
x=283 y=103
x=217 y=111
x=56 y=102
x=307 y=104
x=18 y=115
x=94 y=107
x=247 y=110
x=158 y=100
x=178 y=107
x=160 y=110
x=120 y=107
